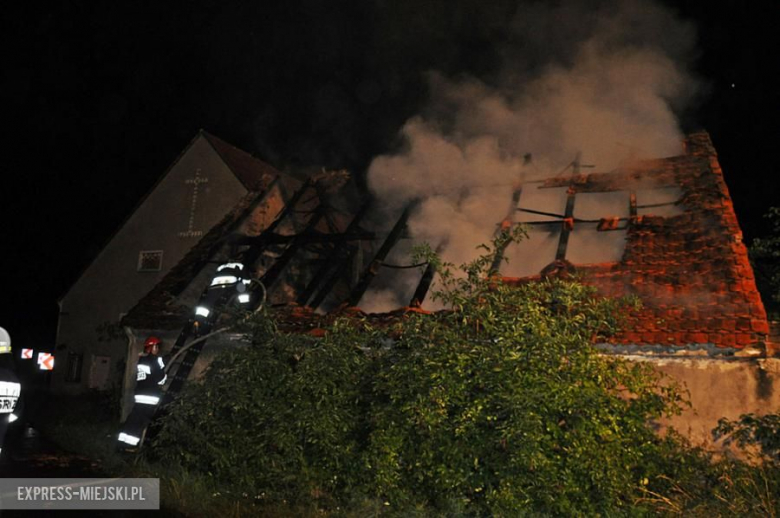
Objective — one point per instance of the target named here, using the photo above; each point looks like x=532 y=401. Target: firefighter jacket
x=150 y=378
x=10 y=391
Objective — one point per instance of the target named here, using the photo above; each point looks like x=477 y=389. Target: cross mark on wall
x=195 y=182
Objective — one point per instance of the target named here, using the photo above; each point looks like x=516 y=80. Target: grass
x=84 y=426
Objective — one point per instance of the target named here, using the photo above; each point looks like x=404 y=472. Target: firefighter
x=10 y=388
x=150 y=378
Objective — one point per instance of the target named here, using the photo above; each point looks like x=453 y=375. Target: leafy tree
x=499 y=406
x=751 y=430
x=765 y=256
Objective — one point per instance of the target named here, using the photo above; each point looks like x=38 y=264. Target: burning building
x=663 y=230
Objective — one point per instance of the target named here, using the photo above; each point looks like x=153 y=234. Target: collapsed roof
x=664 y=230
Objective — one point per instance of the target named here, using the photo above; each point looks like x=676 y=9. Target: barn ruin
x=664 y=230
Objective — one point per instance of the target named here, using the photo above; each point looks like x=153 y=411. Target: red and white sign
x=46 y=361
x=27 y=354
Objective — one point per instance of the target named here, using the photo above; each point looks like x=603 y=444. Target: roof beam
x=322 y=278
x=505 y=225
x=271 y=275
x=370 y=272
x=568 y=222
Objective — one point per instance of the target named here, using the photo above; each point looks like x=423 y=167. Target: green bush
x=765 y=258
x=750 y=430
x=500 y=406
x=283 y=419
x=696 y=482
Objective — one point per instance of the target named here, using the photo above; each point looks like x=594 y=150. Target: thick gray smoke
x=601 y=79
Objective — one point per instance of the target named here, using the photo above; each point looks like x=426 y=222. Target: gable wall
x=179 y=305
x=112 y=284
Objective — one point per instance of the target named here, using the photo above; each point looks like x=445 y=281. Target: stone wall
x=719 y=387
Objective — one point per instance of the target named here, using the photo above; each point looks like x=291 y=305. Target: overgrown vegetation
x=87 y=426
x=765 y=258
x=500 y=406
x=727 y=486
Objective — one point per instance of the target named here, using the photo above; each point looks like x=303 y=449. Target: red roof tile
x=691 y=271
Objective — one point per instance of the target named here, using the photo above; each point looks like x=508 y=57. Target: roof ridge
x=252 y=172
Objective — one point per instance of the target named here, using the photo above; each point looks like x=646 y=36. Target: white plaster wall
x=112 y=285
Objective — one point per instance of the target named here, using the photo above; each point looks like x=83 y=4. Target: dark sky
x=100 y=97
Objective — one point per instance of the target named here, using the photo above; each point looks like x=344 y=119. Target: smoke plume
x=598 y=78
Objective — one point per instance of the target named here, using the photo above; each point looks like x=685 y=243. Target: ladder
x=198 y=329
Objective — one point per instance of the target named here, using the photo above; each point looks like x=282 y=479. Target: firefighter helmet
x=151 y=343
x=5 y=341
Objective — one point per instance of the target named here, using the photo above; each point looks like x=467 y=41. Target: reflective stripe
x=160 y=363
x=10 y=388
x=143 y=372
x=12 y=418
x=9 y=394
x=200 y=310
x=162 y=382
x=129 y=439
x=224 y=279
x=147 y=400
x=243 y=298
x=240 y=266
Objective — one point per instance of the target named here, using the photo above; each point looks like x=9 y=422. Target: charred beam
x=655 y=205
x=426 y=280
x=506 y=225
x=568 y=223
x=307 y=238
x=251 y=255
x=542 y=213
x=373 y=268
x=430 y=271
x=330 y=281
x=336 y=253
x=272 y=274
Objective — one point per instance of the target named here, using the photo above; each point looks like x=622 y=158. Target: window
x=150 y=260
x=75 y=362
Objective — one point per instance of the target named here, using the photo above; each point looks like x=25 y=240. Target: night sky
x=100 y=97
